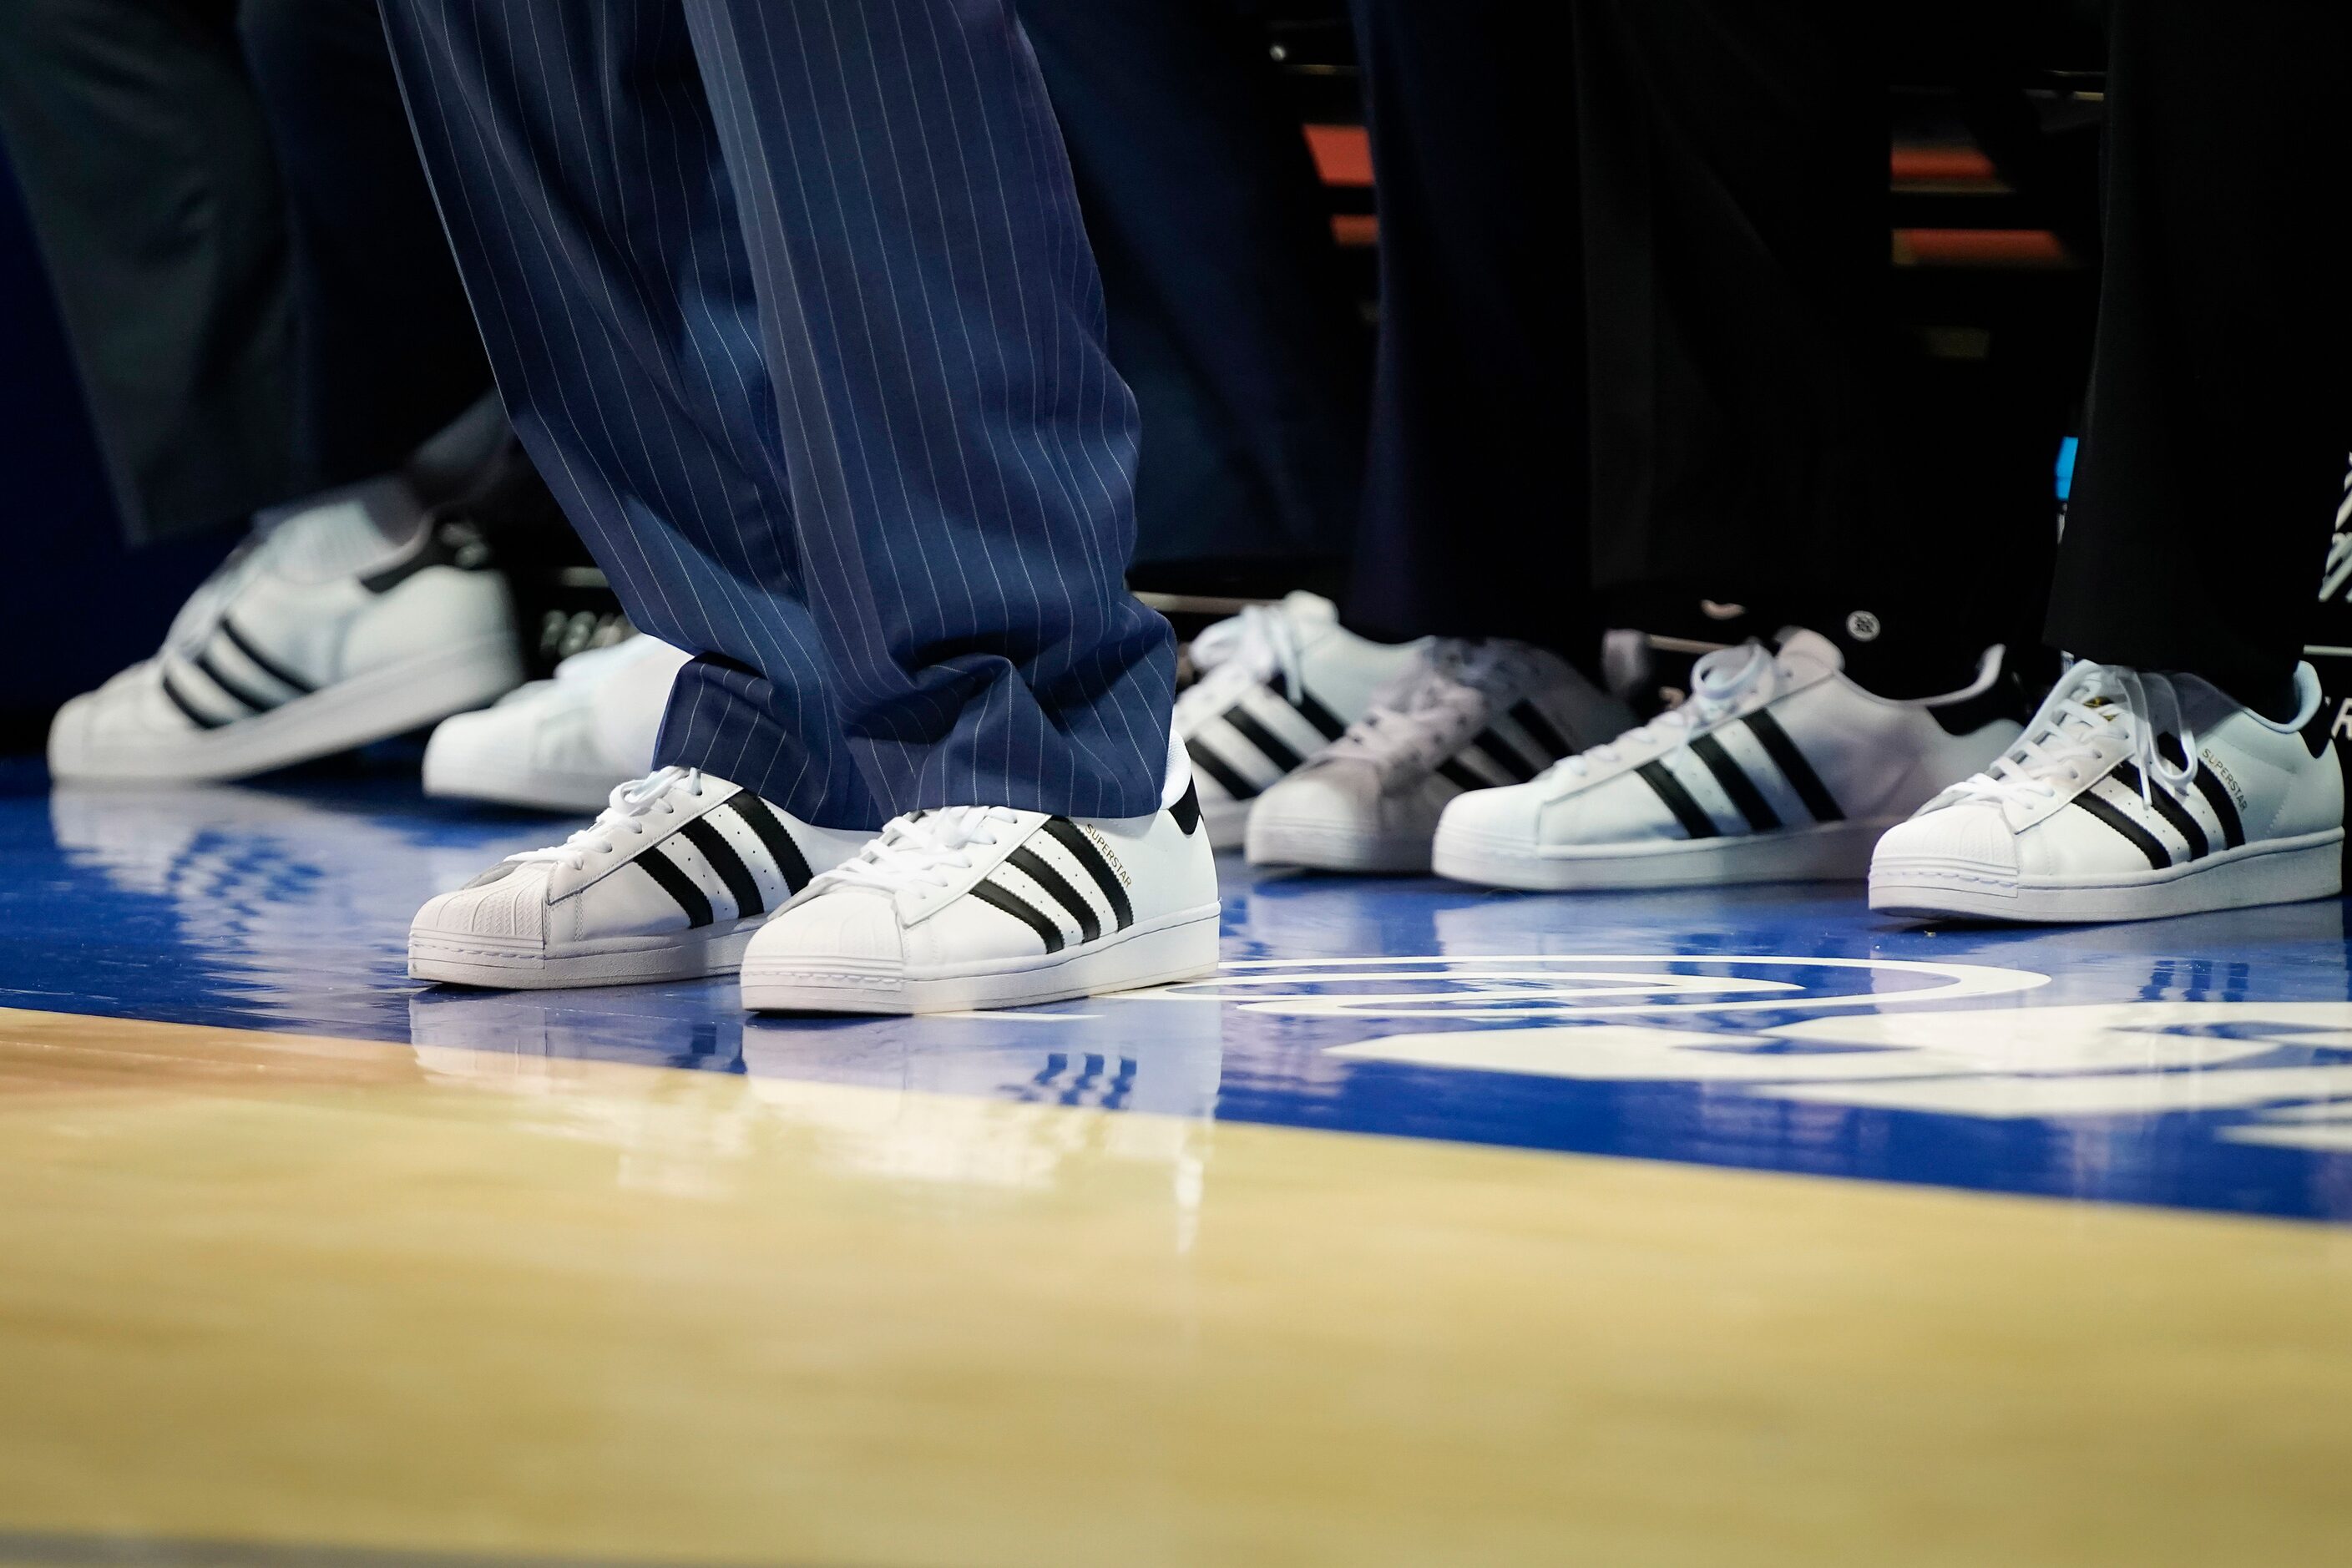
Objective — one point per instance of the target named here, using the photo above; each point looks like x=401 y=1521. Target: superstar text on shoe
x=2129 y=796
x=1777 y=767
x=669 y=883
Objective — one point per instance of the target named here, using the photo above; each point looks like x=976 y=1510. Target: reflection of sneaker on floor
x=1777 y=768
x=976 y=906
x=351 y=618
x=668 y=884
x=291 y=906
x=2129 y=796
x=563 y=744
x=1278 y=683
x=1466 y=716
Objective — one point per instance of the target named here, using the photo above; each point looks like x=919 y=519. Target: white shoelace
x=2082 y=708
x=1720 y=683
x=1254 y=647
x=1438 y=704
x=923 y=848
x=632 y=805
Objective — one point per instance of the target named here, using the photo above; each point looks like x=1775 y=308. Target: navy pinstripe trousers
x=791 y=301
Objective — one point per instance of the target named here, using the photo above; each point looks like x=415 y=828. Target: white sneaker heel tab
x=1176 y=784
x=2308 y=696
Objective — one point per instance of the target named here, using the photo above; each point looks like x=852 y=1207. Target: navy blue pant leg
x=792 y=304
x=579 y=174
x=961 y=455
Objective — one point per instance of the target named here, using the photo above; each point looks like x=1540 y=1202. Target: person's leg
x=2214 y=453
x=959 y=454
x=939 y=519
x=1476 y=495
x=2183 y=763
x=1229 y=314
x=387 y=352
x=145 y=160
x=1732 y=165
x=1742 y=357
x=579 y=172
x=1476 y=492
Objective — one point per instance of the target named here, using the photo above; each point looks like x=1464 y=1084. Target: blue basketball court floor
x=1442 y=1226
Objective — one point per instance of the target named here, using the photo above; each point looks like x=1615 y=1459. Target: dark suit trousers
x=792 y=305
x=2213 y=455
x=258 y=294
x=1685 y=383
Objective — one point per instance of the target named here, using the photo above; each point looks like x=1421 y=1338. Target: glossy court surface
x=1442 y=1227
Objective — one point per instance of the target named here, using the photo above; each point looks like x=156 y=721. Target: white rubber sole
x=2279 y=871
x=1318 y=846
x=392 y=700
x=459 y=778
x=1178 y=947
x=457 y=958
x=1825 y=852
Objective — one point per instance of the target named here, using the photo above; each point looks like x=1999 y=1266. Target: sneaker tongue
x=1313 y=609
x=1809 y=653
x=2106 y=709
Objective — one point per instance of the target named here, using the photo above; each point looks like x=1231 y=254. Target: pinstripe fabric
x=791 y=300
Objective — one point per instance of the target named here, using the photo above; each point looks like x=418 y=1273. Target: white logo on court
x=1586 y=985
x=2287 y=1063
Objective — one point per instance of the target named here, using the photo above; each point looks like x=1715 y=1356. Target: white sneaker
x=978 y=906
x=2129 y=796
x=1277 y=684
x=668 y=884
x=563 y=744
x=1466 y=716
x=1775 y=768
x=349 y=619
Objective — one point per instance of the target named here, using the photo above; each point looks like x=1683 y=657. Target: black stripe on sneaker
x=1216 y=767
x=262 y=661
x=1275 y=749
x=196 y=716
x=1038 y=869
x=2217 y=795
x=1500 y=752
x=1736 y=783
x=1315 y=713
x=779 y=843
x=678 y=885
x=1021 y=910
x=1793 y=766
x=258 y=704
x=1695 y=823
x=1529 y=717
x=741 y=886
x=2171 y=810
x=1082 y=849
x=1461 y=777
x=2146 y=843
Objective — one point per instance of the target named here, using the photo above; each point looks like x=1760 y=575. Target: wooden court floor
x=268 y=1298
